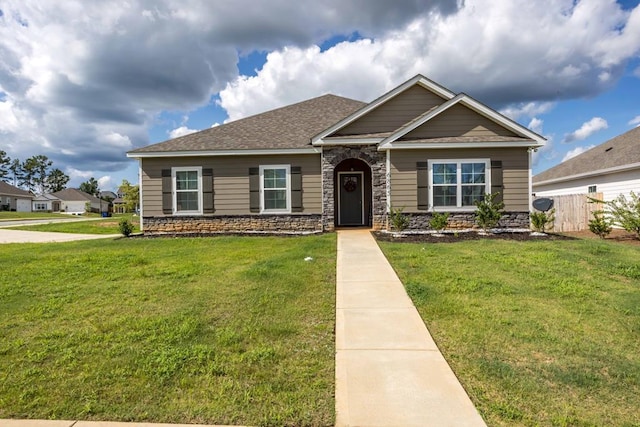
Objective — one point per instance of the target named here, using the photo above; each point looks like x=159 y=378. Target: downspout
x=140 y=191
x=530 y=154
x=388 y=181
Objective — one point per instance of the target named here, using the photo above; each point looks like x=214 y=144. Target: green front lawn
x=95 y=226
x=221 y=330
x=13 y=216
x=539 y=333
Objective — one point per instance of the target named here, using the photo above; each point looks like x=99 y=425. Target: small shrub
x=126 y=228
x=540 y=221
x=600 y=225
x=626 y=213
x=439 y=221
x=399 y=221
x=489 y=211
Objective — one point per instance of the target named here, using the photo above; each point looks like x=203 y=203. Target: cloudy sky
x=85 y=81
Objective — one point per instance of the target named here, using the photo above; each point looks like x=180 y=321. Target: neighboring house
x=119 y=205
x=611 y=168
x=14 y=198
x=46 y=203
x=333 y=162
x=71 y=201
x=107 y=195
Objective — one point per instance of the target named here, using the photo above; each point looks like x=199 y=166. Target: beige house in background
x=335 y=162
x=611 y=168
x=14 y=198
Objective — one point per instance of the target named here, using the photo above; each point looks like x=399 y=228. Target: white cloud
x=635 y=121
x=104 y=183
x=526 y=109
x=83 y=81
x=181 y=131
x=536 y=125
x=587 y=129
x=576 y=152
x=532 y=54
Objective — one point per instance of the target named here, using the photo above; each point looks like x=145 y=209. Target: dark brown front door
x=350 y=199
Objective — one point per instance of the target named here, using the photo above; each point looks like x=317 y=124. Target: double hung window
x=275 y=188
x=187 y=185
x=458 y=183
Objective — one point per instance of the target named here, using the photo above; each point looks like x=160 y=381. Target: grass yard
x=539 y=333
x=223 y=330
x=13 y=216
x=95 y=226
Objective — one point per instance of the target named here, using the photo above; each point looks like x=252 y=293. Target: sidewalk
x=23 y=236
x=389 y=372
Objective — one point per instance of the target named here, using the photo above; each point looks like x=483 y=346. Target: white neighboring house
x=69 y=200
x=612 y=168
x=46 y=203
x=14 y=198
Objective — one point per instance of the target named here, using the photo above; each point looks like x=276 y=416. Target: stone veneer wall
x=232 y=224
x=459 y=221
x=331 y=157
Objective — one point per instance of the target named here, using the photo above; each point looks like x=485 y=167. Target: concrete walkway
x=389 y=372
x=22 y=236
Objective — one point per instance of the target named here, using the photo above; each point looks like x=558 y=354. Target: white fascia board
x=419 y=79
x=282 y=151
x=405 y=130
x=348 y=141
x=447 y=145
x=492 y=114
x=607 y=171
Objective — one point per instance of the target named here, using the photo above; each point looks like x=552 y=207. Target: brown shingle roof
x=283 y=128
x=75 y=195
x=10 y=190
x=619 y=151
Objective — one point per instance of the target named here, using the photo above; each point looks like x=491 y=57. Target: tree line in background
x=38 y=176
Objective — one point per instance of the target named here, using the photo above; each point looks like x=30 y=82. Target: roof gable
x=621 y=152
x=463 y=119
x=404 y=102
x=396 y=112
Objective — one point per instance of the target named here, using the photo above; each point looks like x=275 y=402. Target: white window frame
x=174 y=190
x=40 y=206
x=458 y=162
x=287 y=169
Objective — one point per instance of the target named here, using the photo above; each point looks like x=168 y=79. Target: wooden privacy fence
x=574 y=211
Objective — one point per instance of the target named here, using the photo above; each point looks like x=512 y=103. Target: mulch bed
x=467 y=235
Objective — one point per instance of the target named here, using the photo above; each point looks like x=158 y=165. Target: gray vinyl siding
x=231 y=181
x=514 y=165
x=458 y=121
x=394 y=113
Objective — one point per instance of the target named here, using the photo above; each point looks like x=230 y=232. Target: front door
x=350 y=200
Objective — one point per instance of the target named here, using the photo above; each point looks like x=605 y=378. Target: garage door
x=23 y=205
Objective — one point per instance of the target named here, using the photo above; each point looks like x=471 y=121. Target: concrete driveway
x=21 y=236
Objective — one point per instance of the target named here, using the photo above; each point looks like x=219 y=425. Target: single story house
x=611 y=168
x=335 y=162
x=46 y=203
x=69 y=200
x=14 y=198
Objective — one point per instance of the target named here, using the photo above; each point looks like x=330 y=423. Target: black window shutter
x=207 y=190
x=422 y=171
x=254 y=189
x=496 y=179
x=167 y=192
x=296 y=189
